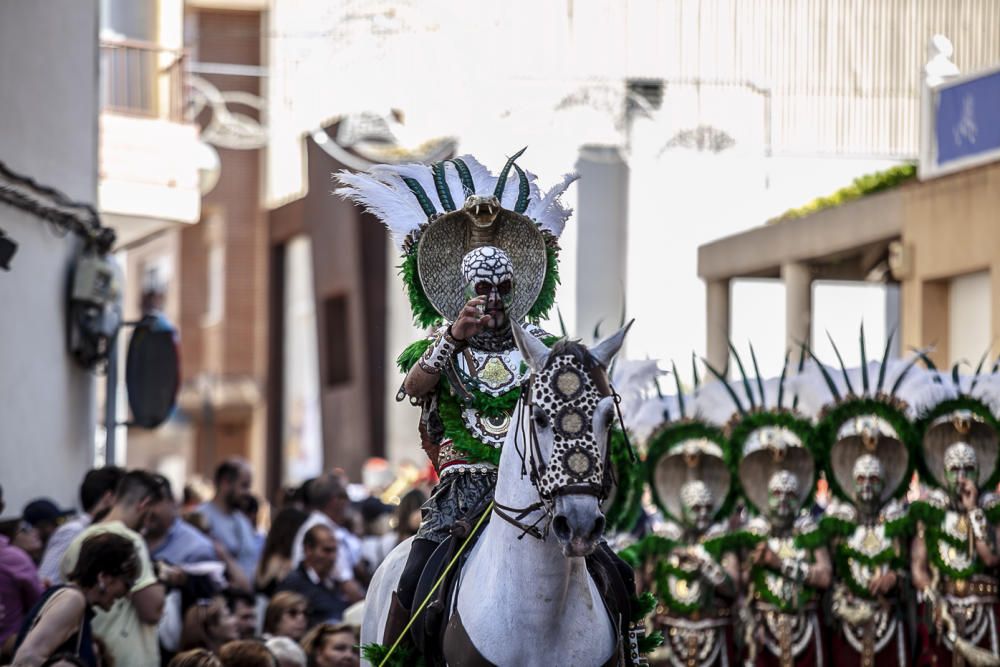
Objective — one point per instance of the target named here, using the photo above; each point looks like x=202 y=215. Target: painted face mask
x=869 y=478
x=782 y=495
x=960 y=463
x=696 y=505
x=488 y=272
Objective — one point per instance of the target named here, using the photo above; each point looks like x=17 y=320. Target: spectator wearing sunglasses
x=59 y=623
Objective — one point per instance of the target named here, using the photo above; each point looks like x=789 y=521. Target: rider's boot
x=396 y=622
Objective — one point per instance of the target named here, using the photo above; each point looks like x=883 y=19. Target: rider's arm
x=422 y=379
x=821 y=571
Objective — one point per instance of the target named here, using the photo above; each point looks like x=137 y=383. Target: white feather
x=549 y=211
x=398 y=211
x=482 y=177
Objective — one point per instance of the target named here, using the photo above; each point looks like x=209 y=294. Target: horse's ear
x=606 y=350
x=534 y=351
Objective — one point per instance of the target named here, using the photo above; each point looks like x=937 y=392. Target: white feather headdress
x=388 y=193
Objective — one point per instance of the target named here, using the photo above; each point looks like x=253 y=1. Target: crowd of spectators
x=141 y=578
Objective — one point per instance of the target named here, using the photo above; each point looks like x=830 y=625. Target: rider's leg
x=402 y=598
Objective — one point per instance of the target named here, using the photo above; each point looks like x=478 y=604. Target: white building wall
x=48 y=70
x=969 y=316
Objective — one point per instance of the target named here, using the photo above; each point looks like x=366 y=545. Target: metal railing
x=142 y=79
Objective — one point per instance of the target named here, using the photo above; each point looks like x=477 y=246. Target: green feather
x=547 y=295
x=680 y=390
x=421 y=195
x=725 y=384
x=781 y=381
x=424 y=314
x=522 y=191
x=502 y=178
x=979 y=368
x=743 y=374
x=840 y=360
x=760 y=380
x=465 y=176
x=885 y=361
x=408 y=357
x=441 y=183
x=694 y=371
x=864 y=362
x=830 y=384
x=802 y=364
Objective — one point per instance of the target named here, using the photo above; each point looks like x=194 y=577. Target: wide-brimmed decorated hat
x=765 y=430
x=860 y=411
x=964 y=411
x=682 y=447
x=438 y=213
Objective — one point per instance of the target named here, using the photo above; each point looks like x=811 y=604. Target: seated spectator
x=45 y=517
x=276 y=556
x=286 y=616
x=129 y=628
x=97 y=494
x=19 y=585
x=329 y=501
x=208 y=624
x=246 y=653
x=226 y=522
x=286 y=651
x=313 y=578
x=198 y=657
x=243 y=605
x=332 y=646
x=59 y=623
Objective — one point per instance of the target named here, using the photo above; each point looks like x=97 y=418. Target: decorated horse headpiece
x=958 y=427
x=441 y=213
x=862 y=416
x=767 y=439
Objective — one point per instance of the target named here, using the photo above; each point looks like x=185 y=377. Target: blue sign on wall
x=967 y=123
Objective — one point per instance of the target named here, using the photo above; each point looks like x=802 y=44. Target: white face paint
x=782 y=495
x=869 y=478
x=696 y=504
x=960 y=463
x=489 y=273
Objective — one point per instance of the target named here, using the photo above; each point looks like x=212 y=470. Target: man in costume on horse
x=471 y=272
x=954 y=554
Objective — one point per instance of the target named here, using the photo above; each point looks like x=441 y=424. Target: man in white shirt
x=97 y=495
x=328 y=499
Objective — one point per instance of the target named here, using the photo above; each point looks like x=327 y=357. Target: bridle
x=568 y=396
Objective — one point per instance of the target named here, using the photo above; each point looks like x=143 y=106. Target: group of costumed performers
x=748 y=567
x=479 y=253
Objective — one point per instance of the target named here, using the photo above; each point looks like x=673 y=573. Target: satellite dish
x=152 y=370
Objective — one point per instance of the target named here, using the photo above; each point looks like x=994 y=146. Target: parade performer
x=694 y=577
x=954 y=554
x=787 y=565
x=865 y=440
x=479 y=252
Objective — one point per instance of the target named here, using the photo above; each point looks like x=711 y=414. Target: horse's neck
x=538 y=563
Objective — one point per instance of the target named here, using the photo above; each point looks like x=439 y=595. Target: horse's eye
x=540 y=418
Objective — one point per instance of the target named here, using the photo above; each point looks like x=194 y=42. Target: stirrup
x=396 y=621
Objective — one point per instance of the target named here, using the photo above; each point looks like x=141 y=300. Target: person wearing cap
x=97 y=495
x=45 y=517
x=19 y=585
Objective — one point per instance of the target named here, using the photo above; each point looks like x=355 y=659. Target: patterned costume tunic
x=969 y=590
x=464 y=430
x=785 y=610
x=871 y=630
x=696 y=623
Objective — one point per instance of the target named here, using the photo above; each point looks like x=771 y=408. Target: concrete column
x=601 y=220
x=717 y=323
x=798 y=303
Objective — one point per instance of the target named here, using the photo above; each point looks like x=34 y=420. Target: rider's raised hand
x=470 y=320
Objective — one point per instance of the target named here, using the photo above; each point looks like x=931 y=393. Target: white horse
x=531 y=601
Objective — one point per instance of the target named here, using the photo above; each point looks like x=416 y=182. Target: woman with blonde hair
x=198 y=657
x=286 y=616
x=328 y=645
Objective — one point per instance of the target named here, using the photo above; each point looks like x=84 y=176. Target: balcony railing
x=142 y=79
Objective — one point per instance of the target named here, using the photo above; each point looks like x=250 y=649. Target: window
x=338 y=344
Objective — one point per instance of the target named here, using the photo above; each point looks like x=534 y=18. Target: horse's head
x=572 y=409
